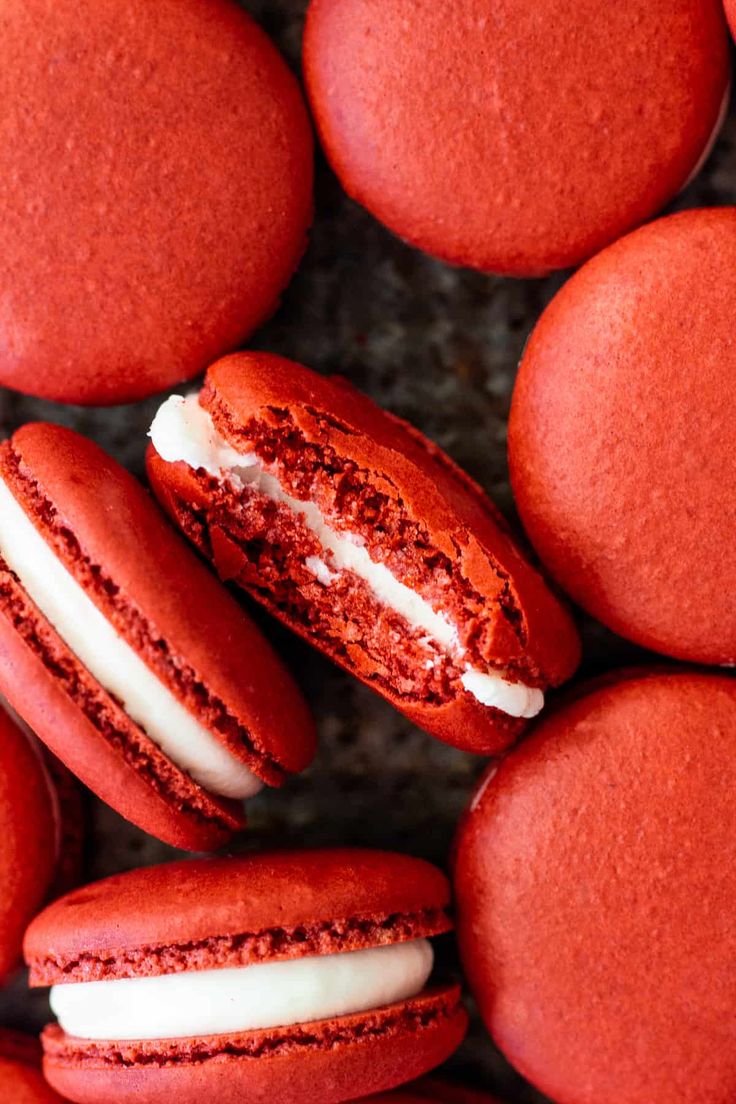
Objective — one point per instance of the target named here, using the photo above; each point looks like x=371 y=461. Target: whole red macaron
x=284 y=977
x=37 y=847
x=21 y=1081
x=515 y=138
x=595 y=894
x=365 y=538
x=621 y=436
x=157 y=205
x=124 y=653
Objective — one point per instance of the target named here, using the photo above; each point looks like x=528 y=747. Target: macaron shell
x=255 y=894
x=27 y=839
x=33 y=688
x=21 y=1084
x=164 y=188
x=460 y=522
x=621 y=435
x=116 y=525
x=594 y=882
x=357 y=1059
x=519 y=141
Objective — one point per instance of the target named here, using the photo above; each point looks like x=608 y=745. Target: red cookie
x=286 y=977
x=156 y=169
x=621 y=438
x=516 y=137
x=365 y=538
x=20 y=1083
x=596 y=888
x=126 y=656
x=31 y=838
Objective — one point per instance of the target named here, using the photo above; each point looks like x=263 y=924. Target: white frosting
x=184 y=431
x=247 y=998
x=112 y=662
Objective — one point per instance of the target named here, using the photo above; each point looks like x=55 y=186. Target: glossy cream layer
x=112 y=662
x=247 y=998
x=183 y=431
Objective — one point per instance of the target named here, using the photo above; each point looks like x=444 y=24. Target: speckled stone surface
x=440 y=347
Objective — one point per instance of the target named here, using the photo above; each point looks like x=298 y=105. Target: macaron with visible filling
x=621 y=437
x=516 y=138
x=365 y=538
x=37 y=846
x=158 y=204
x=595 y=891
x=126 y=656
x=285 y=976
x=20 y=1077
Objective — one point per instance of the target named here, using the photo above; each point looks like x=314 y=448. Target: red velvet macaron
x=126 y=656
x=156 y=170
x=365 y=538
x=287 y=977
x=38 y=848
x=20 y=1077
x=621 y=436
x=595 y=891
x=515 y=137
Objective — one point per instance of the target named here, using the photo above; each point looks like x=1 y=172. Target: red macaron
x=124 y=653
x=156 y=170
x=515 y=138
x=365 y=538
x=621 y=437
x=285 y=977
x=595 y=893
x=20 y=1077
x=39 y=844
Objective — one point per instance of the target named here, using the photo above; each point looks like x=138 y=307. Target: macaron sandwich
x=126 y=656
x=362 y=536
x=284 y=977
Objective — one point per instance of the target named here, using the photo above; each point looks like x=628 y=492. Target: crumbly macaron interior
x=245 y=998
x=112 y=662
x=345 y=571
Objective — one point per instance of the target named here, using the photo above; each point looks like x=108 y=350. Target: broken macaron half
x=124 y=653
x=363 y=537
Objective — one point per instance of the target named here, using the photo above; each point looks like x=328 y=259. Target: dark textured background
x=438 y=346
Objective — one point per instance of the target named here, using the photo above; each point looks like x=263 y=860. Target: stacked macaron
x=156 y=174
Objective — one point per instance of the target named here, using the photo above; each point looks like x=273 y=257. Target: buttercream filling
x=245 y=998
x=184 y=431
x=112 y=662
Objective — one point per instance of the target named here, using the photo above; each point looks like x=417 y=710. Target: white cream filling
x=184 y=431
x=112 y=662
x=247 y=998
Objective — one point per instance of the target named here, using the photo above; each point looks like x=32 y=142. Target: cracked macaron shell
x=28 y=839
x=109 y=212
x=621 y=437
x=101 y=522
x=240 y=911
x=518 y=139
x=458 y=519
x=593 y=883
